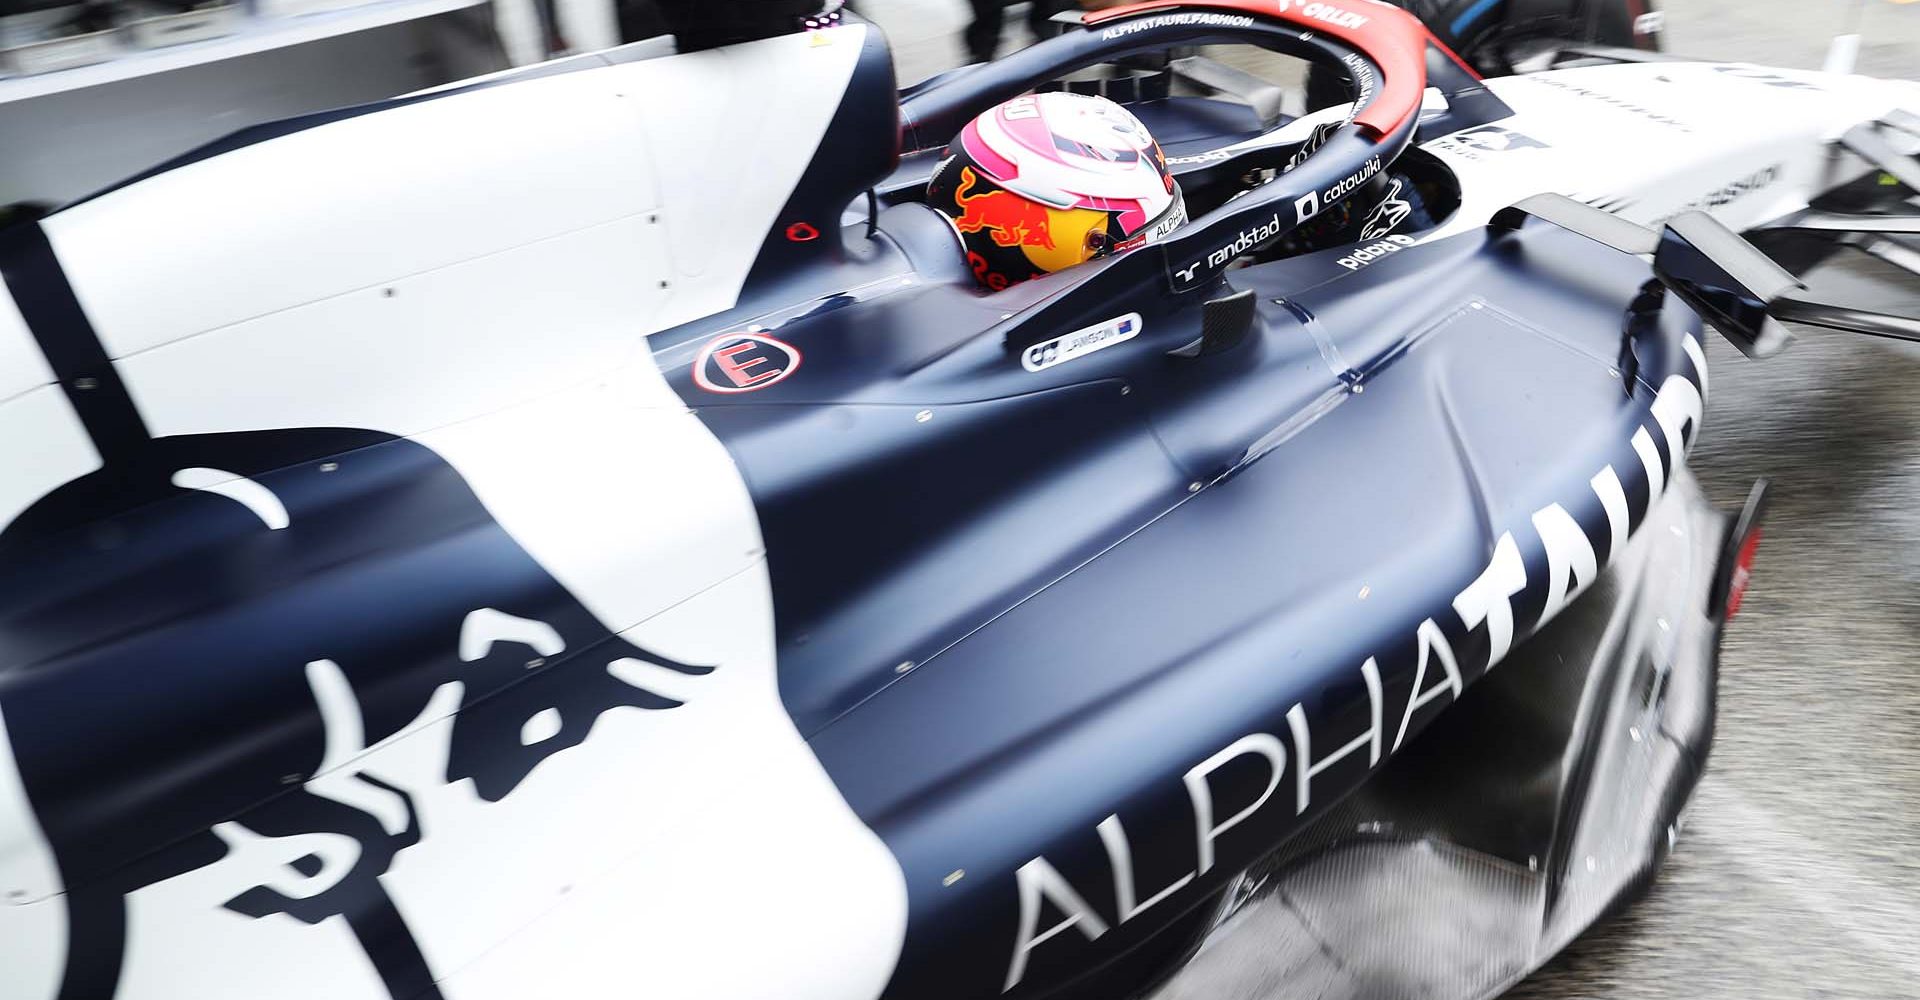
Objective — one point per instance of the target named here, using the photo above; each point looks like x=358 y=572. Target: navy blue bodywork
x=1109 y=570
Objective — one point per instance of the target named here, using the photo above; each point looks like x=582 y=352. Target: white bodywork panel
x=44 y=447
x=21 y=366
x=635 y=863
x=418 y=352
x=480 y=272
x=42 y=443
x=411 y=268
x=1650 y=140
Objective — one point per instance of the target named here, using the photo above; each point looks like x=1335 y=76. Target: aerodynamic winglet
x=1726 y=279
x=1866 y=141
x=1738 y=289
x=1601 y=227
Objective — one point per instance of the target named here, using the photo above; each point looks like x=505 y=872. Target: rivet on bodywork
x=291 y=779
x=1364 y=591
x=923 y=416
x=83 y=384
x=903 y=666
x=536 y=663
x=954 y=876
x=1194 y=487
x=329 y=466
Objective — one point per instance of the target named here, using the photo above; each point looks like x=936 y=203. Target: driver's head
x=1047 y=181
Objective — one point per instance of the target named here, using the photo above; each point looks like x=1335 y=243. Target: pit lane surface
x=1798 y=873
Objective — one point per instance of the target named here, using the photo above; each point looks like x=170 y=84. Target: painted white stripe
x=239 y=489
x=625 y=864
x=1699 y=357
x=782 y=92
x=354 y=204
x=1613 y=499
x=1650 y=457
x=421 y=351
x=22 y=366
x=623 y=496
x=656 y=678
x=43 y=446
x=540 y=727
x=485 y=626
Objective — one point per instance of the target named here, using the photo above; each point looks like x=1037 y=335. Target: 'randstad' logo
x=1247 y=240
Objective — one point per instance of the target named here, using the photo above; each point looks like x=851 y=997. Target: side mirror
x=1726 y=280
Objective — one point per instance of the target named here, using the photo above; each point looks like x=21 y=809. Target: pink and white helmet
x=1047 y=181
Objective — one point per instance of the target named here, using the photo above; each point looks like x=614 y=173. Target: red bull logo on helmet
x=1011 y=220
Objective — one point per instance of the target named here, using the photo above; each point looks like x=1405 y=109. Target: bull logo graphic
x=1494 y=139
x=233 y=668
x=1011 y=220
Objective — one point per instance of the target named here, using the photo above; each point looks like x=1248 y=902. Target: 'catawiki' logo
x=1012 y=220
x=744 y=362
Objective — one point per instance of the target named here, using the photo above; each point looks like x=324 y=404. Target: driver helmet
x=1046 y=181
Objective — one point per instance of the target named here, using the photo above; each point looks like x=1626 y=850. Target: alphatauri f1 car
x=584 y=533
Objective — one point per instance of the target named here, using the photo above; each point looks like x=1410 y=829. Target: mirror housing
x=1726 y=280
x=1736 y=288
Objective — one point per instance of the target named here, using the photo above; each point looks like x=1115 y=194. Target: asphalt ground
x=1798 y=873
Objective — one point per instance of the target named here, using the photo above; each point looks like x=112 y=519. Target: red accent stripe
x=1447 y=51
x=1635 y=8
x=1391 y=37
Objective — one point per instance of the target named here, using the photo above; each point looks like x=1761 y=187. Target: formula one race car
x=586 y=533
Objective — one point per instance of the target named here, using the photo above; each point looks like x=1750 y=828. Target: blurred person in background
x=989 y=19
